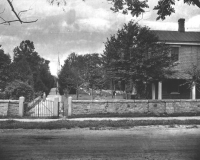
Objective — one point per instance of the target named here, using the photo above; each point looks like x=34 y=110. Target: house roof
x=177 y=37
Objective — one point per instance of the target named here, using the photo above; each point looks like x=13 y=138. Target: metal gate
x=39 y=108
x=43 y=109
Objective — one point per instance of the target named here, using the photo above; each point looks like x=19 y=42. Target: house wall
x=143 y=107
x=188 y=55
x=9 y=107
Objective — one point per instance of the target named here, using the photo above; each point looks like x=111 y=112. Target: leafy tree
x=4 y=68
x=39 y=67
x=81 y=71
x=94 y=71
x=16 y=89
x=134 y=56
x=21 y=71
x=71 y=74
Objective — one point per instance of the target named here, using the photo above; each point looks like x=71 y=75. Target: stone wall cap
x=103 y=101
x=8 y=101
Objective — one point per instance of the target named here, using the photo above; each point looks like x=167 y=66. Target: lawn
x=105 y=94
x=66 y=124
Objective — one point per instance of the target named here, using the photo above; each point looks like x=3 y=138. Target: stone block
x=3 y=109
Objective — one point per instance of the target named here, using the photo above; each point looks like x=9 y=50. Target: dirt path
x=140 y=143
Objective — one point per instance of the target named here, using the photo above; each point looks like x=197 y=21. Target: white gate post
x=55 y=107
x=69 y=106
x=21 y=106
x=160 y=90
x=193 y=90
x=153 y=91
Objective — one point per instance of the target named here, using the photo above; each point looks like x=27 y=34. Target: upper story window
x=174 y=54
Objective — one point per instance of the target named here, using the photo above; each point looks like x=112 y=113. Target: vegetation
x=134 y=56
x=17 y=88
x=82 y=71
x=61 y=124
x=27 y=75
x=5 y=62
x=134 y=7
x=132 y=60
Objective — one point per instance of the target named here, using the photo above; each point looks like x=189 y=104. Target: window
x=175 y=54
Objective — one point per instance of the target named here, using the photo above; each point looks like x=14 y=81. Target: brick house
x=185 y=51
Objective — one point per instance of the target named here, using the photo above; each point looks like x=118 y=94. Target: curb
x=105 y=119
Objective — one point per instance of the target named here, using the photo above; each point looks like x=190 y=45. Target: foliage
x=4 y=69
x=82 y=71
x=134 y=55
x=139 y=7
x=21 y=71
x=37 y=73
x=136 y=7
x=194 y=77
x=17 y=88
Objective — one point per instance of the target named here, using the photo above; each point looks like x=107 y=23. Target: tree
x=71 y=75
x=94 y=71
x=16 y=89
x=21 y=70
x=5 y=61
x=134 y=56
x=39 y=67
x=81 y=71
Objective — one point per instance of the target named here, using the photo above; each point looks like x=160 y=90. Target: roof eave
x=182 y=43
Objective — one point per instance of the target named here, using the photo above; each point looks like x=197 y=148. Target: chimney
x=181 y=25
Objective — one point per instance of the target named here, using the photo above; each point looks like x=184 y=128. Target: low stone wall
x=151 y=107
x=9 y=107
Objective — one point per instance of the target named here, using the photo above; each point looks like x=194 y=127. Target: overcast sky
x=79 y=27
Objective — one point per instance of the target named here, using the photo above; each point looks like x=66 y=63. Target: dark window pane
x=175 y=53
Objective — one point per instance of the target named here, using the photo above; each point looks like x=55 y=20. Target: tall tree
x=42 y=78
x=81 y=71
x=134 y=55
x=21 y=70
x=4 y=68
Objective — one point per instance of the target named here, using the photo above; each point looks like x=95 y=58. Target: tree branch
x=196 y=2
x=17 y=15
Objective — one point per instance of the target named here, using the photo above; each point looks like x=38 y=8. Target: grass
x=64 y=124
x=133 y=115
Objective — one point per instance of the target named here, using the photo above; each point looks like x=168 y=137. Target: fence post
x=21 y=106
x=69 y=106
x=55 y=107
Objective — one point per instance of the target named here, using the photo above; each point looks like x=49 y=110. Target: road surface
x=139 y=143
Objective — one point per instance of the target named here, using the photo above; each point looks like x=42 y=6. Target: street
x=138 y=143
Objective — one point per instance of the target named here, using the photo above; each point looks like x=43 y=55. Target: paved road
x=140 y=143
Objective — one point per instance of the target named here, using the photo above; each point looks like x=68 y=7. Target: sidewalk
x=106 y=119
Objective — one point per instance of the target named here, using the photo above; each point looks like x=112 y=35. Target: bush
x=17 y=88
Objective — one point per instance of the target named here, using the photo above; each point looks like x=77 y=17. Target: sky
x=80 y=27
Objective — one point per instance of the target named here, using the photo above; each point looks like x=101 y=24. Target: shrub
x=17 y=88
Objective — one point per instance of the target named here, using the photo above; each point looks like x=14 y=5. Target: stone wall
x=142 y=107
x=9 y=107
